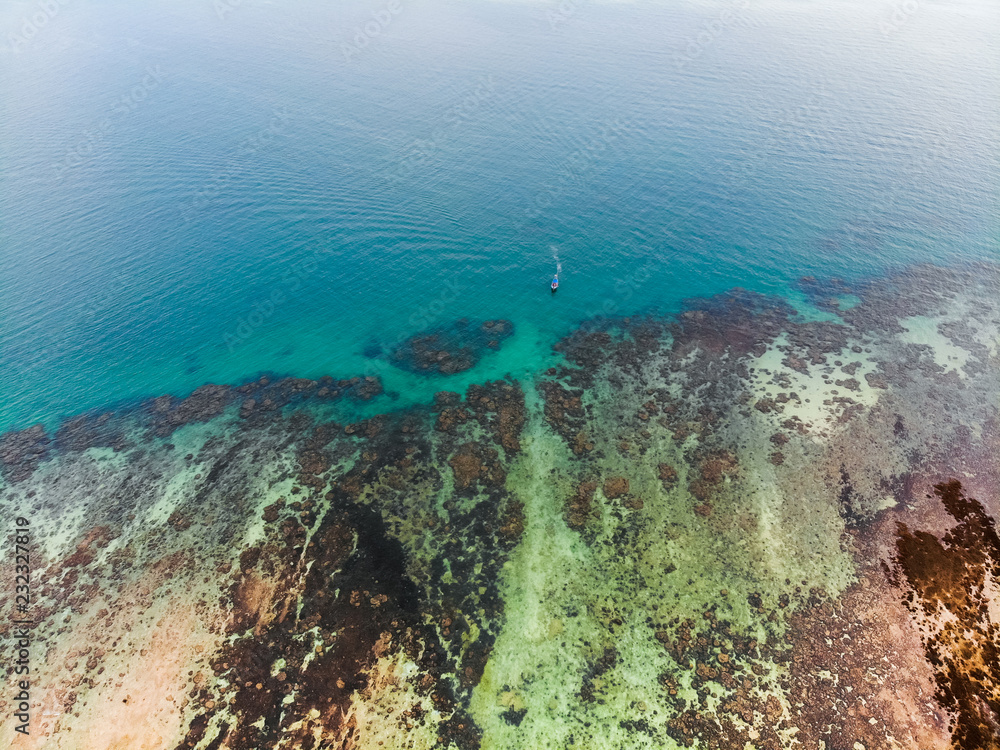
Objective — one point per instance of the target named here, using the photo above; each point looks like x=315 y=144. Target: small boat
x=555 y=283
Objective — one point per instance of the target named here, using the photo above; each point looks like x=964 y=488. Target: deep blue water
x=189 y=195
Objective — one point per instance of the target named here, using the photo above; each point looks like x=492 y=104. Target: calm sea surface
x=194 y=192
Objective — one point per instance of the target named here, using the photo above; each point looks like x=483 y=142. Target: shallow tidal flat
x=740 y=527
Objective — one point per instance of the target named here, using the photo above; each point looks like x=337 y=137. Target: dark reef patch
x=499 y=407
x=564 y=412
x=260 y=401
x=578 y=508
x=450 y=349
x=740 y=321
x=204 y=403
x=90 y=430
x=600 y=666
x=823 y=293
x=22 y=451
x=514 y=716
x=495 y=406
x=329 y=592
x=945 y=580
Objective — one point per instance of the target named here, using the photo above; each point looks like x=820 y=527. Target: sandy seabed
x=739 y=527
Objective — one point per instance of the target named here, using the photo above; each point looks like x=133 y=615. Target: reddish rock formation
x=668 y=475
x=946 y=579
x=578 y=508
x=615 y=487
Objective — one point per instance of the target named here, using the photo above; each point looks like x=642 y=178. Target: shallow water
x=169 y=173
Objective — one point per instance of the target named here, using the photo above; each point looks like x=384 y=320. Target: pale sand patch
x=797 y=538
x=382 y=715
x=137 y=700
x=117 y=677
x=543 y=574
x=924 y=330
x=909 y=694
x=806 y=311
x=993 y=599
x=814 y=405
x=256 y=595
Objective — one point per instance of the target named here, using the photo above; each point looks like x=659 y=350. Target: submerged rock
x=578 y=508
x=21 y=452
x=667 y=474
x=293 y=580
x=499 y=406
x=451 y=349
x=204 y=403
x=615 y=487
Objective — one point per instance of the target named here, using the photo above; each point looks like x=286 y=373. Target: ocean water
x=197 y=192
x=712 y=493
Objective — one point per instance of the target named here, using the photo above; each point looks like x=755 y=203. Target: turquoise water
x=193 y=192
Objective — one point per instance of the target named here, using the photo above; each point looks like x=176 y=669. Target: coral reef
x=735 y=527
x=450 y=349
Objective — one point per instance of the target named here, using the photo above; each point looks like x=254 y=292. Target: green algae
x=567 y=600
